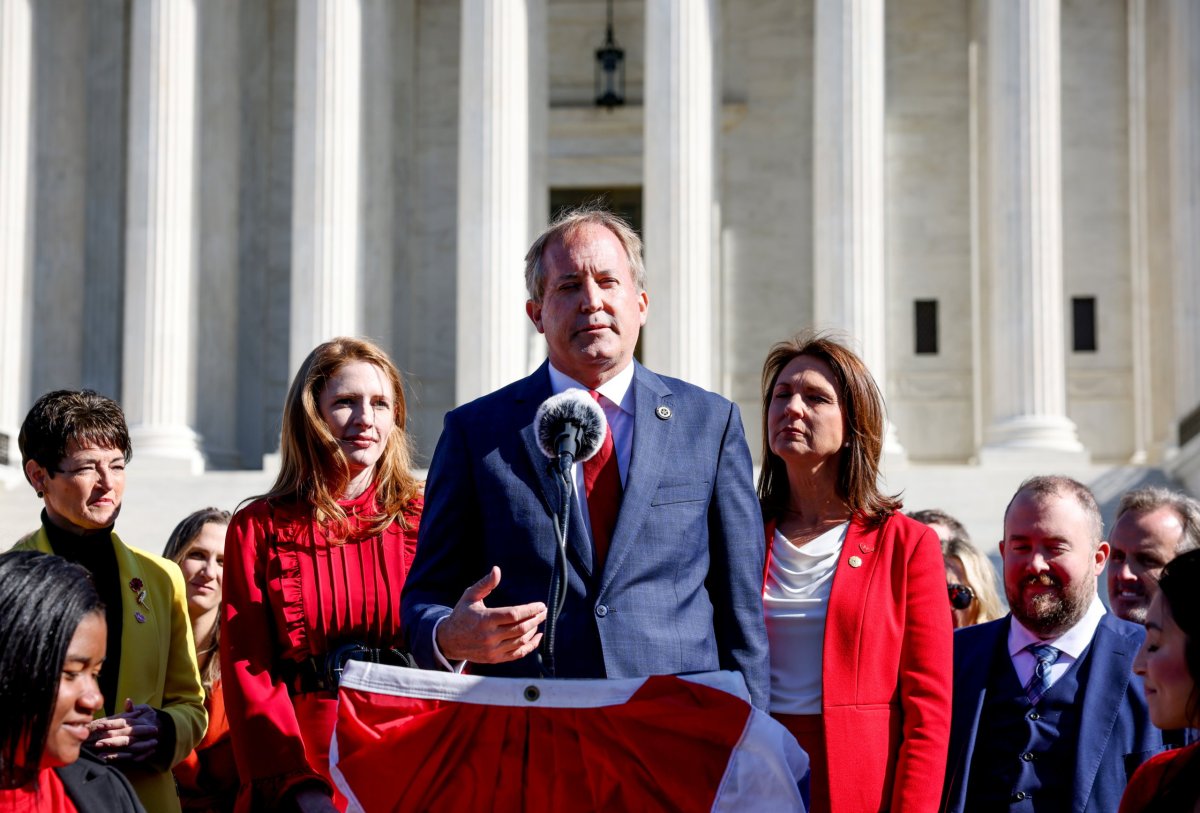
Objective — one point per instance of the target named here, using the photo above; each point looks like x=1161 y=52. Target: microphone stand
x=558 y=579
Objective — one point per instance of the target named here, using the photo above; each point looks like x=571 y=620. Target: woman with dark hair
x=854 y=596
x=74 y=447
x=1169 y=663
x=315 y=571
x=207 y=778
x=52 y=639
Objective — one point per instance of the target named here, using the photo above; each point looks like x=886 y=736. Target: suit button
x=1020 y=796
x=1027 y=756
x=601 y=610
x=1033 y=715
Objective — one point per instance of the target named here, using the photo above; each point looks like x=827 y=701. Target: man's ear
x=534 y=311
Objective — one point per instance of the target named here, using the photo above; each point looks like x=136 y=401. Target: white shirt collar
x=1072 y=642
x=615 y=389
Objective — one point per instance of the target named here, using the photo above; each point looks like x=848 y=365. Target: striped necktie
x=1039 y=684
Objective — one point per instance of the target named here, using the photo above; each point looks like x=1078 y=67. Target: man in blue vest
x=1048 y=715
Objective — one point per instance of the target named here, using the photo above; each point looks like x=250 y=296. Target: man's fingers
x=527 y=647
x=520 y=614
x=482 y=588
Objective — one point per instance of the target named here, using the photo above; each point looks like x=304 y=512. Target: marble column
x=326 y=214
x=493 y=196
x=16 y=83
x=160 y=236
x=678 y=192
x=849 y=283
x=1183 y=55
x=1142 y=359
x=1024 y=142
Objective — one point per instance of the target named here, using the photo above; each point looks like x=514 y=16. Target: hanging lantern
x=610 y=69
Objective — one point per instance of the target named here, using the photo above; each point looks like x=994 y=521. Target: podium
x=414 y=740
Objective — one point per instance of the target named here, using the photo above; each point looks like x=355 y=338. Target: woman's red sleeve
x=266 y=736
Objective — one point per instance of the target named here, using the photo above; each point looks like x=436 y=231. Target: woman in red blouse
x=314 y=570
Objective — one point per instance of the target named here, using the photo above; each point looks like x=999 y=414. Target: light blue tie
x=1039 y=684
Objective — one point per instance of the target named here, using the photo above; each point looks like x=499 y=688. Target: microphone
x=570 y=427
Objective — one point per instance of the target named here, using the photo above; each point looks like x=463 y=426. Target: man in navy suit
x=1048 y=715
x=665 y=566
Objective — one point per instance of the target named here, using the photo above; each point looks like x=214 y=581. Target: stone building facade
x=999 y=200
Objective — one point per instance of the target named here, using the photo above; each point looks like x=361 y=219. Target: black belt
x=323 y=673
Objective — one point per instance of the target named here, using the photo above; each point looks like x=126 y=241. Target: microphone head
x=575 y=408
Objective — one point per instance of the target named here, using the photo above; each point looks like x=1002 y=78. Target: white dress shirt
x=1070 y=644
x=617 y=400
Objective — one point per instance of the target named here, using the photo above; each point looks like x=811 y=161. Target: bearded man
x=1050 y=686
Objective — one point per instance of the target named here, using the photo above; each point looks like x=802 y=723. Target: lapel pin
x=855 y=561
x=865 y=548
x=141 y=619
x=663 y=412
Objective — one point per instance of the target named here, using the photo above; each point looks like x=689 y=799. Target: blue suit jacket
x=681 y=586
x=1115 y=722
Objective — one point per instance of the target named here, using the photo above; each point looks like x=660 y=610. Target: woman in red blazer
x=852 y=579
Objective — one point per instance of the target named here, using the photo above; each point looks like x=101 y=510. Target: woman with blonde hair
x=314 y=572
x=970 y=583
x=207 y=778
x=859 y=631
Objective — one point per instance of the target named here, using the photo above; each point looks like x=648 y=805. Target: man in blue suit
x=665 y=563
x=1048 y=715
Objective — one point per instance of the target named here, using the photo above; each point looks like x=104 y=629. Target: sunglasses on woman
x=961 y=596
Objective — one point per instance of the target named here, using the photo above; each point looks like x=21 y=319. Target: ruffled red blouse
x=291 y=592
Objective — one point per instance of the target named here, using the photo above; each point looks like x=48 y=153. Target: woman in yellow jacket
x=74 y=447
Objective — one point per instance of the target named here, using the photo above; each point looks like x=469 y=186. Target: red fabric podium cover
x=411 y=740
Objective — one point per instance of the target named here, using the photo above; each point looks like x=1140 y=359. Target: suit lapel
x=847 y=606
x=647 y=461
x=1103 y=699
x=529 y=397
x=972 y=666
x=138 y=638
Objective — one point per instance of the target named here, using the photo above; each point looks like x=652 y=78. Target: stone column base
x=1042 y=440
x=167 y=449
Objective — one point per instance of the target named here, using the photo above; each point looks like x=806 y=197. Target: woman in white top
x=854 y=593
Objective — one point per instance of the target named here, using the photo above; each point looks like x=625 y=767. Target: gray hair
x=564 y=227
x=1151 y=498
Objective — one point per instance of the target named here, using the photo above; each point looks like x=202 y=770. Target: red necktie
x=602 y=487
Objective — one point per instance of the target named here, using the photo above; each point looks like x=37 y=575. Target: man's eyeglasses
x=961 y=596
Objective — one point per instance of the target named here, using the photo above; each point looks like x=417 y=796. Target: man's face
x=1051 y=561
x=1142 y=543
x=591 y=311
